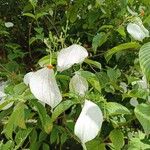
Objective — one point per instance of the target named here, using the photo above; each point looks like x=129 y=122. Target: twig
x=30 y=27
x=53 y=26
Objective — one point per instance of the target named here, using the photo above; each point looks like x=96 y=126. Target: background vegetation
x=113 y=69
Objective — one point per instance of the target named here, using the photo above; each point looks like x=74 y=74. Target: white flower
x=78 y=85
x=137 y=30
x=43 y=86
x=74 y=54
x=89 y=122
x=124 y=86
x=141 y=83
x=134 y=102
x=9 y=24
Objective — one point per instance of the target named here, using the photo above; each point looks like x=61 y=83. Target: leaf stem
x=84 y=146
x=29 y=36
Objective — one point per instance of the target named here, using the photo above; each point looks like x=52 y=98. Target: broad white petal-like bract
x=139 y=22
x=141 y=83
x=89 y=122
x=78 y=85
x=44 y=87
x=137 y=30
x=74 y=54
x=134 y=102
x=9 y=24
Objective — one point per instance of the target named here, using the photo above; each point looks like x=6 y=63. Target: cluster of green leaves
x=114 y=71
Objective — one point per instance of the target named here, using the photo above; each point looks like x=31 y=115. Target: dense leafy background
x=114 y=70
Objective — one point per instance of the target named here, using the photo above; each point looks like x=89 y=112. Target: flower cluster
x=44 y=87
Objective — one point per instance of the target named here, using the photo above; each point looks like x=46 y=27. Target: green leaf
x=33 y=3
x=63 y=106
x=9 y=145
x=147 y=20
x=92 y=79
x=95 y=145
x=103 y=79
x=142 y=113
x=72 y=14
x=54 y=135
x=33 y=136
x=46 y=60
x=29 y=15
x=39 y=30
x=117 y=138
x=113 y=74
x=32 y=40
x=99 y=40
x=121 y=31
x=144 y=59
x=137 y=144
x=42 y=136
x=138 y=93
x=114 y=108
x=93 y=63
x=16 y=119
x=5 y=113
x=46 y=146
x=44 y=117
x=41 y=14
x=5 y=103
x=121 y=47
x=21 y=136
x=19 y=88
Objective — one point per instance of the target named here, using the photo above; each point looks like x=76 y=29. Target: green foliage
x=98 y=40
x=116 y=109
x=144 y=59
x=44 y=117
x=142 y=113
x=121 y=47
x=61 y=108
x=17 y=118
x=92 y=79
x=115 y=70
x=117 y=138
x=95 y=145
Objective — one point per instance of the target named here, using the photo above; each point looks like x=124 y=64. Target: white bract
x=137 y=30
x=141 y=83
x=134 y=102
x=124 y=86
x=74 y=54
x=78 y=85
x=43 y=86
x=9 y=24
x=89 y=122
